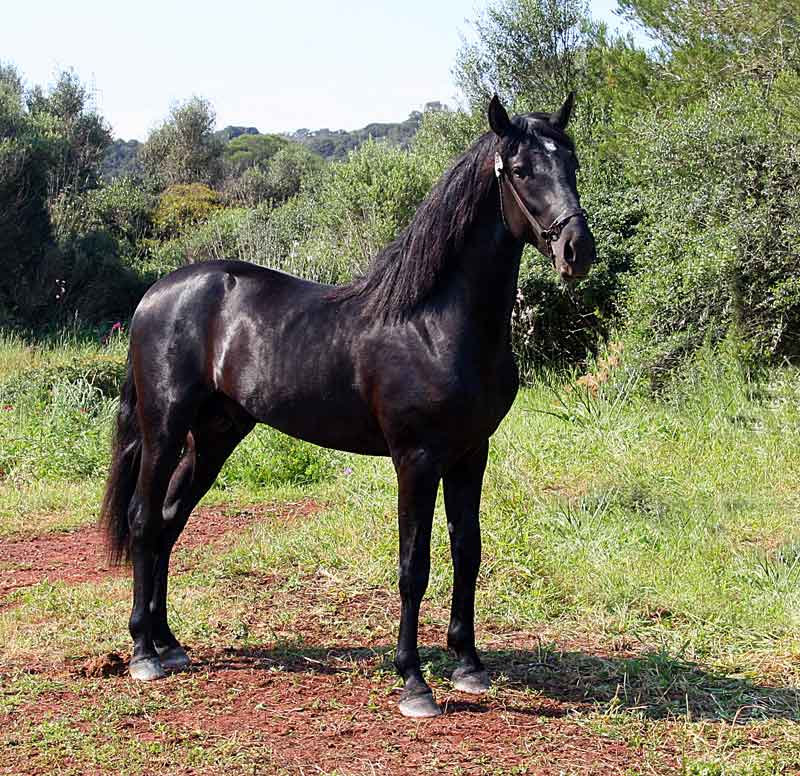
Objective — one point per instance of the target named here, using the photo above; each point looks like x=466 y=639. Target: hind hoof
x=472 y=682
x=174 y=658
x=419 y=706
x=146 y=669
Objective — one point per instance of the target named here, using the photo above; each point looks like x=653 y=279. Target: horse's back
x=276 y=345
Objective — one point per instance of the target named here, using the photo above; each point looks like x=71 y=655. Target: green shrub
x=343 y=216
x=251 y=151
x=717 y=250
x=56 y=421
x=249 y=189
x=183 y=205
x=215 y=238
x=288 y=170
x=269 y=458
x=279 y=238
x=34 y=387
x=364 y=202
x=123 y=207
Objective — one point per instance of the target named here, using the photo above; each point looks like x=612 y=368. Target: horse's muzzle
x=574 y=251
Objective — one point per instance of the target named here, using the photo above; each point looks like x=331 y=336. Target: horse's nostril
x=569 y=253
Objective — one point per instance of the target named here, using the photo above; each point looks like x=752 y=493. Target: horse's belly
x=325 y=423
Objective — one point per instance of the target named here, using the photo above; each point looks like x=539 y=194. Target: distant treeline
x=121 y=157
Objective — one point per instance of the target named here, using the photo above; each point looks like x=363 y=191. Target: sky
x=275 y=65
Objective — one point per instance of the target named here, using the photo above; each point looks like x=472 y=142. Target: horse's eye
x=519 y=172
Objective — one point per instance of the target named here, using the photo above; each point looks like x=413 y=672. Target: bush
x=280 y=239
x=216 y=238
x=343 y=215
x=55 y=421
x=183 y=205
x=718 y=249
x=288 y=170
x=364 y=202
x=249 y=189
x=35 y=387
x=269 y=458
x=123 y=207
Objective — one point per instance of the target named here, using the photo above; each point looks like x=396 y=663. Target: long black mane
x=408 y=269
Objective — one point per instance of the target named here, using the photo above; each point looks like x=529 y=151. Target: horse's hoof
x=146 y=669
x=472 y=682
x=419 y=706
x=174 y=658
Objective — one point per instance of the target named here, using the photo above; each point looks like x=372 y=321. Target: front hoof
x=472 y=682
x=146 y=669
x=174 y=658
x=419 y=706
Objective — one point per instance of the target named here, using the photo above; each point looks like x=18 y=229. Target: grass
x=652 y=544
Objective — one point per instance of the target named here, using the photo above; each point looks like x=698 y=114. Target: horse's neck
x=487 y=276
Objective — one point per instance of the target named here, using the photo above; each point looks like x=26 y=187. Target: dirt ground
x=326 y=705
x=80 y=556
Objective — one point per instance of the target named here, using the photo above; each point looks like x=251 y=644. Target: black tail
x=123 y=473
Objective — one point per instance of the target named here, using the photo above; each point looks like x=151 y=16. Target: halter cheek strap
x=547 y=234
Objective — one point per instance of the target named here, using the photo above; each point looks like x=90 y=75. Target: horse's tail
x=126 y=455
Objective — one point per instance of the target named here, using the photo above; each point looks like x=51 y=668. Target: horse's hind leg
x=462 y=497
x=213 y=438
x=163 y=436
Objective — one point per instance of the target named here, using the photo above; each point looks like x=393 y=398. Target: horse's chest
x=490 y=397
x=466 y=408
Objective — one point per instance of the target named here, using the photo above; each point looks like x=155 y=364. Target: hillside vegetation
x=689 y=154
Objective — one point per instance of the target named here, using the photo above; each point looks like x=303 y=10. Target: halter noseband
x=549 y=234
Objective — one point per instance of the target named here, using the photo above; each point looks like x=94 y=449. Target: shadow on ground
x=653 y=684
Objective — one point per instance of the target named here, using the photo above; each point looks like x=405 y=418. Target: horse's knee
x=413 y=581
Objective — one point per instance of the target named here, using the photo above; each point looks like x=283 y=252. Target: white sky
x=274 y=65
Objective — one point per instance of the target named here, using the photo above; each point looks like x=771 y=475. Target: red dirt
x=80 y=556
x=319 y=694
x=314 y=715
x=317 y=699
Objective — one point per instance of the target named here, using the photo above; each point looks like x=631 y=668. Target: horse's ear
x=560 y=118
x=498 y=118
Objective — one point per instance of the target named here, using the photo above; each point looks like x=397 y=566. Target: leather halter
x=548 y=234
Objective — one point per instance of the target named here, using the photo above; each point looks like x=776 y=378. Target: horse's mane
x=407 y=270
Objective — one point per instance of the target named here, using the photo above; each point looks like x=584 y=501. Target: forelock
x=537 y=126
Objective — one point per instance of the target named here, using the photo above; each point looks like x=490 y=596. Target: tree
x=707 y=43
x=24 y=225
x=51 y=143
x=184 y=149
x=248 y=150
x=527 y=50
x=287 y=170
x=78 y=135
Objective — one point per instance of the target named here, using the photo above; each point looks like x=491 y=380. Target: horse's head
x=535 y=164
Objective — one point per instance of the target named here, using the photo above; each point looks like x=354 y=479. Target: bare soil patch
x=311 y=689
x=336 y=713
x=321 y=698
x=80 y=556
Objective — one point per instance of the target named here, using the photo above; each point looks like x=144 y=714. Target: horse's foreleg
x=418 y=480
x=462 y=496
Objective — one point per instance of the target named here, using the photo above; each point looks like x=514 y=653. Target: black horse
x=412 y=360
